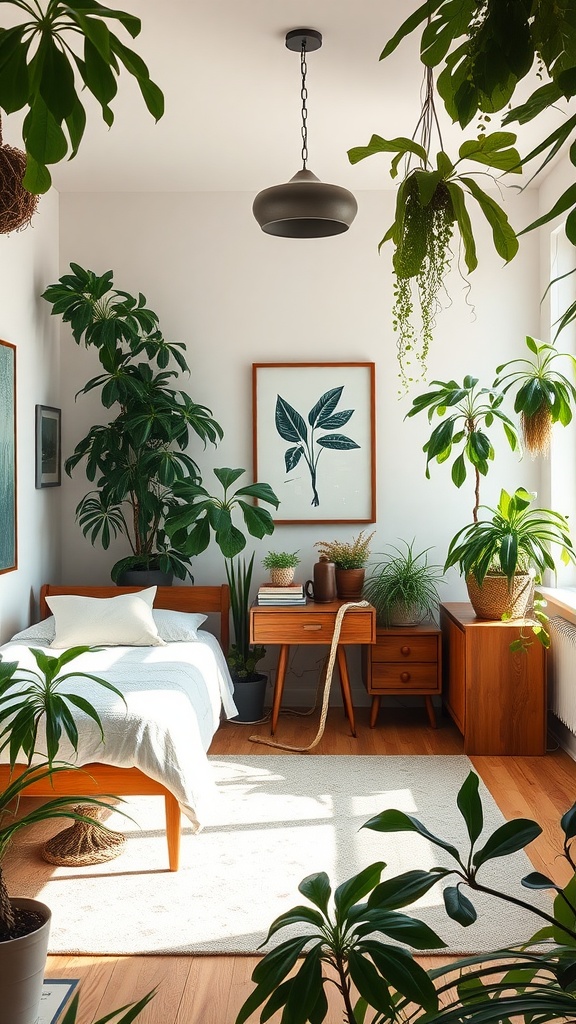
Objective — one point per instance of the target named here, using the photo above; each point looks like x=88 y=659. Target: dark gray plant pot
x=145 y=578
x=249 y=695
x=22 y=968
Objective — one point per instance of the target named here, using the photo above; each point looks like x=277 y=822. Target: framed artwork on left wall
x=48 y=446
x=8 y=517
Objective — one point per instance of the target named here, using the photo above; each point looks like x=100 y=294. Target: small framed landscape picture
x=314 y=439
x=48 y=446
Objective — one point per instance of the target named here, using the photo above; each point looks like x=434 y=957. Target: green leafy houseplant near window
x=466 y=412
x=543 y=395
x=137 y=458
x=403 y=587
x=190 y=526
x=514 y=538
x=41 y=65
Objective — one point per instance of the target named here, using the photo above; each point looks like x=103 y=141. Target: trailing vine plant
x=430 y=209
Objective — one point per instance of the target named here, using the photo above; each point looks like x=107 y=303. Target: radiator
x=562 y=671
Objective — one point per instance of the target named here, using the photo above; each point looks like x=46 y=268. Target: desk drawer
x=399 y=676
x=285 y=627
x=405 y=648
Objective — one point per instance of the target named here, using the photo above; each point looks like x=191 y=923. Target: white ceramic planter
x=22 y=966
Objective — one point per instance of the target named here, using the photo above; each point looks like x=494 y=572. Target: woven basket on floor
x=494 y=598
x=83 y=843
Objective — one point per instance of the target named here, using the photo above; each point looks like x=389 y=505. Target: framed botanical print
x=314 y=439
x=8 y=508
x=48 y=446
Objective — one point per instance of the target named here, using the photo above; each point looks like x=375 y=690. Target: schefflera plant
x=431 y=207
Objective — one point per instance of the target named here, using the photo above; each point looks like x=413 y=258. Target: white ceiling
x=232 y=91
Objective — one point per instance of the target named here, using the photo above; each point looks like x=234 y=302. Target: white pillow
x=178 y=626
x=42 y=632
x=125 y=620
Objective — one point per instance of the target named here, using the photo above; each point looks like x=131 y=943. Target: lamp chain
x=304 y=97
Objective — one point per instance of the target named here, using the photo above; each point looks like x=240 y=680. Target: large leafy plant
x=190 y=526
x=42 y=65
x=136 y=459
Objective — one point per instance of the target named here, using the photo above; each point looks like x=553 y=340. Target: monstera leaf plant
x=59 y=49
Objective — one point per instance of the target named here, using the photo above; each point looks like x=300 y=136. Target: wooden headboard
x=179 y=599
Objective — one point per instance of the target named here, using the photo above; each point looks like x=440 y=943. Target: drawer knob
x=313 y=626
x=405 y=651
x=405 y=677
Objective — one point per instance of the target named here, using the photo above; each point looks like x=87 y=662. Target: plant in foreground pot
x=404 y=586
x=543 y=395
x=190 y=524
x=281 y=565
x=513 y=541
x=342 y=939
x=350 y=558
x=137 y=458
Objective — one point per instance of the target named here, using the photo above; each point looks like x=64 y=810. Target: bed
x=129 y=765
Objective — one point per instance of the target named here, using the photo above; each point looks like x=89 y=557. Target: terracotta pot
x=281 y=577
x=22 y=966
x=349 y=583
x=494 y=599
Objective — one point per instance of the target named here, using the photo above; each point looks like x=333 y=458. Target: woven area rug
x=278 y=819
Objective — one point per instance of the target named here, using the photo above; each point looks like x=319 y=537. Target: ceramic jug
x=323 y=587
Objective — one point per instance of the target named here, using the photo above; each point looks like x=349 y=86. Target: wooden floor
x=211 y=989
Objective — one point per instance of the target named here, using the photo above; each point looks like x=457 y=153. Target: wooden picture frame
x=48 y=446
x=8 y=471
x=314 y=439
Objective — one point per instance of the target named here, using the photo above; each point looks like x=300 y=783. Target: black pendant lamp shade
x=304 y=207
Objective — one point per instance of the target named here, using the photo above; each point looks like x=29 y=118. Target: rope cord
x=327 y=686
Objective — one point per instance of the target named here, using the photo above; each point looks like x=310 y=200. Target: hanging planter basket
x=17 y=205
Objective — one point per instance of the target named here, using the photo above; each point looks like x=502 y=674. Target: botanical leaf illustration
x=289 y=422
x=322 y=416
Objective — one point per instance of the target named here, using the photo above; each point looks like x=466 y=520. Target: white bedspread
x=174 y=696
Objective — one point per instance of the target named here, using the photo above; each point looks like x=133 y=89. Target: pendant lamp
x=304 y=207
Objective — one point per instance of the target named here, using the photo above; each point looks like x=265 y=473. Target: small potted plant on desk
x=189 y=525
x=350 y=558
x=281 y=565
x=403 y=587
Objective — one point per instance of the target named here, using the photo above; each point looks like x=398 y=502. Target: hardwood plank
x=211 y=989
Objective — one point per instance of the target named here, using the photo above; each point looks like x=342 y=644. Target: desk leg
x=279 y=685
x=431 y=711
x=374 y=710
x=345 y=686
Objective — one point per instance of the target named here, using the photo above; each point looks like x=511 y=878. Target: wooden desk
x=311 y=624
x=404 y=660
x=496 y=696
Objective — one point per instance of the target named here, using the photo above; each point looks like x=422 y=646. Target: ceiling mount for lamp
x=304 y=207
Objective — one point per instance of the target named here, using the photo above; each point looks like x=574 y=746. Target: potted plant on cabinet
x=403 y=587
x=503 y=555
x=350 y=558
x=136 y=459
x=189 y=525
x=281 y=565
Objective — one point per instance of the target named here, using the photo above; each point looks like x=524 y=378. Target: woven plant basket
x=17 y=205
x=494 y=598
x=281 y=577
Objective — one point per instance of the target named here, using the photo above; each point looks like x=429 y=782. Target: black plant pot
x=145 y=578
x=249 y=695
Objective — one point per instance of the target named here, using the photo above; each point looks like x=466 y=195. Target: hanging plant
x=544 y=395
x=430 y=209
x=17 y=205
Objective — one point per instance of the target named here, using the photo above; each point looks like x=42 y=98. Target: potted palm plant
x=350 y=558
x=503 y=555
x=190 y=525
x=403 y=587
x=136 y=459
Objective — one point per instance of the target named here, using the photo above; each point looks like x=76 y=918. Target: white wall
x=237 y=296
x=28 y=262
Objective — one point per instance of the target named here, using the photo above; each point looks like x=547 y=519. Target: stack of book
x=290 y=595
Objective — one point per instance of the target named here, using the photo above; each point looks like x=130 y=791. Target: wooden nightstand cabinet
x=311 y=624
x=404 y=660
x=496 y=696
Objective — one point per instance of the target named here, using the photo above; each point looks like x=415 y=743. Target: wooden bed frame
x=98 y=779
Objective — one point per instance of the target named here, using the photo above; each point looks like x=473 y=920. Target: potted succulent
x=350 y=558
x=502 y=556
x=189 y=525
x=403 y=587
x=281 y=565
x=136 y=459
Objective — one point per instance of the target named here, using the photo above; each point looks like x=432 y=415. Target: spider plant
x=403 y=586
